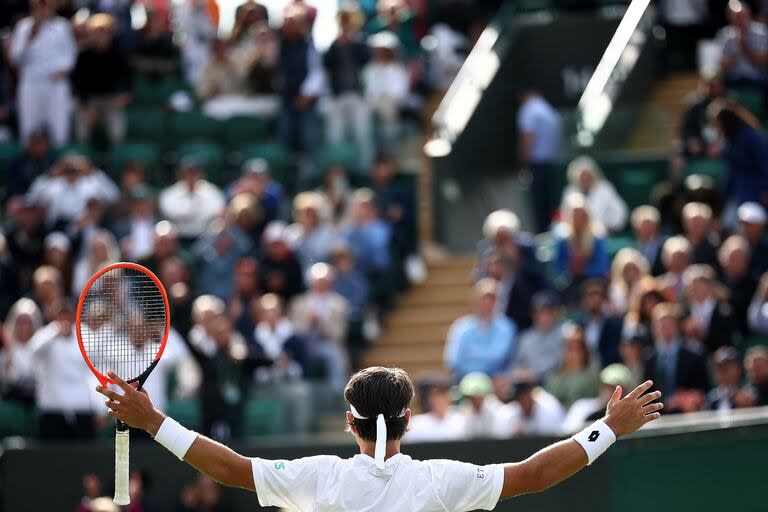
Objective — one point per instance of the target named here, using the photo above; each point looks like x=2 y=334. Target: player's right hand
x=134 y=408
x=626 y=415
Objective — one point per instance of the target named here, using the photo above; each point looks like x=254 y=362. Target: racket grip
x=122 y=444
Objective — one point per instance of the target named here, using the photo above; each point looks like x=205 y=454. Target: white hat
x=384 y=39
x=57 y=240
x=276 y=231
x=752 y=213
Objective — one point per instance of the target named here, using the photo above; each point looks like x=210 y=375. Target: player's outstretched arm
x=134 y=408
x=562 y=460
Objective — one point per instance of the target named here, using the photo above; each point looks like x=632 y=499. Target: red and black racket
x=122 y=326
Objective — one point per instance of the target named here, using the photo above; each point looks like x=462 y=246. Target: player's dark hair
x=378 y=390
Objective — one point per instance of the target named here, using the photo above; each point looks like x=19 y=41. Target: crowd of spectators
x=266 y=285
x=687 y=308
x=681 y=299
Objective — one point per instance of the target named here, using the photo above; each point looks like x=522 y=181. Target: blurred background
x=523 y=203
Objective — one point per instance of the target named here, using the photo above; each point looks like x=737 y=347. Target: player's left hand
x=628 y=414
x=134 y=408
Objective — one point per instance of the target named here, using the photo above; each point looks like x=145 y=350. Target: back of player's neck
x=369 y=449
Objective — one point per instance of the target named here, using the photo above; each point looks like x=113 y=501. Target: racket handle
x=122 y=444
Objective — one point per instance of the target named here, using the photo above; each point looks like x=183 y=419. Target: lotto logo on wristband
x=593 y=436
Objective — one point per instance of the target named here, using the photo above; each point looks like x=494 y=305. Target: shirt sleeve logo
x=480 y=473
x=279 y=465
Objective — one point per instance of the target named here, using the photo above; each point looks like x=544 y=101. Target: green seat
x=146 y=124
x=279 y=158
x=145 y=152
x=186 y=411
x=616 y=243
x=191 y=126
x=209 y=154
x=264 y=417
x=347 y=155
x=635 y=185
x=148 y=93
x=15 y=419
x=8 y=152
x=751 y=100
x=712 y=168
x=242 y=130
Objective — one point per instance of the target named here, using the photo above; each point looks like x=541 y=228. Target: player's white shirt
x=428 y=427
x=330 y=484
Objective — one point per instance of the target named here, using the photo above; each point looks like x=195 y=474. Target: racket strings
x=123 y=322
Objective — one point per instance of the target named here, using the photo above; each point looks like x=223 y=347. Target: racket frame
x=122 y=438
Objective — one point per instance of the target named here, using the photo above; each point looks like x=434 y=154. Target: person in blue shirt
x=369 y=238
x=745 y=155
x=580 y=249
x=483 y=341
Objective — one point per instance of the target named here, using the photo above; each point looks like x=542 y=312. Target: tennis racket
x=122 y=326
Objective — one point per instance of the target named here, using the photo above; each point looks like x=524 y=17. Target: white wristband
x=595 y=439
x=175 y=437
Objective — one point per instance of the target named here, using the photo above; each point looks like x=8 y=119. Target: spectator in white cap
x=605 y=204
x=752 y=220
x=480 y=406
x=386 y=84
x=280 y=269
x=321 y=317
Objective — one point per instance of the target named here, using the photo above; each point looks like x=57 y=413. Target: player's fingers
x=112 y=404
x=639 y=390
x=616 y=396
x=652 y=408
x=120 y=382
x=651 y=417
x=650 y=397
x=108 y=393
x=113 y=414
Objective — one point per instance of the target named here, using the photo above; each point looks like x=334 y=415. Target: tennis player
x=380 y=478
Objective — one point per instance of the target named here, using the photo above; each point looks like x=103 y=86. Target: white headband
x=381 y=434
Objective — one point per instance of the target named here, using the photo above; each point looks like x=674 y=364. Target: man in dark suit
x=729 y=375
x=602 y=330
x=714 y=319
x=679 y=372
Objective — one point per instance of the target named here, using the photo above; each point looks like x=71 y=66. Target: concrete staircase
x=658 y=124
x=414 y=334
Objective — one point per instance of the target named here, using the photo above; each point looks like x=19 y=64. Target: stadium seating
x=278 y=156
x=146 y=153
x=244 y=130
x=146 y=124
x=264 y=416
x=210 y=155
x=186 y=411
x=190 y=126
x=15 y=419
x=8 y=151
x=707 y=167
